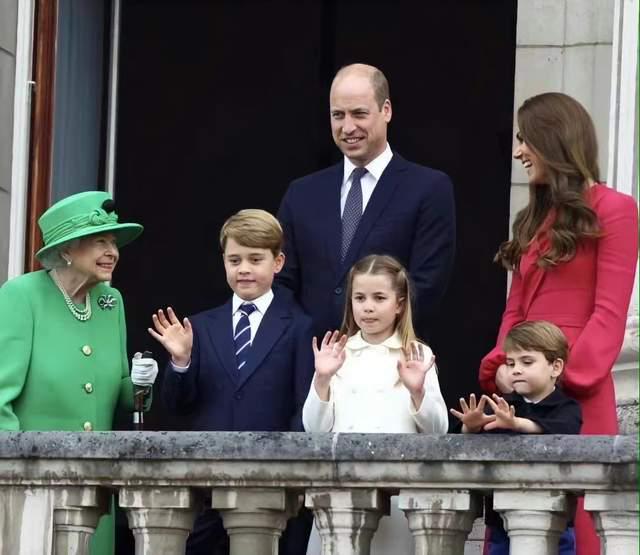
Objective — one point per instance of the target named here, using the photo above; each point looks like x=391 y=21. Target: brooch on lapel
x=107 y=302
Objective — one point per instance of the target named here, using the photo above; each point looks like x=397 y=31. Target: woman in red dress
x=573 y=257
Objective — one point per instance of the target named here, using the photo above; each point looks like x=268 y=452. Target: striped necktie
x=242 y=334
x=352 y=210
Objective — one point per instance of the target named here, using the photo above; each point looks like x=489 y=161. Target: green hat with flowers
x=81 y=215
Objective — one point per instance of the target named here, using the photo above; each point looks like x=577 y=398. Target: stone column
x=160 y=518
x=255 y=517
x=615 y=514
x=440 y=520
x=347 y=518
x=623 y=176
x=75 y=518
x=534 y=519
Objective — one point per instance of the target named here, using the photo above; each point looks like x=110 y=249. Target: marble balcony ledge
x=259 y=480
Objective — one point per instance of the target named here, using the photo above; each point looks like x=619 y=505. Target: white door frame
x=21 y=135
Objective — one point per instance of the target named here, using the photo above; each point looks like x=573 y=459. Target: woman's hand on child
x=175 y=337
x=413 y=371
x=473 y=417
x=502 y=380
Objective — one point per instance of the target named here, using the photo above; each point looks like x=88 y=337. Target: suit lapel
x=220 y=330
x=380 y=199
x=274 y=323
x=333 y=224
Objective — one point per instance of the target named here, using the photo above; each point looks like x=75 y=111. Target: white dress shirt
x=367 y=396
x=262 y=303
x=368 y=181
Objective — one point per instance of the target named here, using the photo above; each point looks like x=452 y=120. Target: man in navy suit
x=372 y=202
x=244 y=366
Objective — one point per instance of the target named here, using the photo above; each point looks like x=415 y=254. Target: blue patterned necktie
x=242 y=334
x=352 y=211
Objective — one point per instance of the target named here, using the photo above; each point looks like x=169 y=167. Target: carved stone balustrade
x=54 y=486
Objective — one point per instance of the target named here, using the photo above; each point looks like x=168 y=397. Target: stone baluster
x=440 y=520
x=534 y=519
x=347 y=518
x=160 y=518
x=615 y=514
x=255 y=517
x=76 y=511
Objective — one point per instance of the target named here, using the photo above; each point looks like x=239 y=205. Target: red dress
x=588 y=298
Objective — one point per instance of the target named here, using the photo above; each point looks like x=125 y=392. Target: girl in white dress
x=376 y=376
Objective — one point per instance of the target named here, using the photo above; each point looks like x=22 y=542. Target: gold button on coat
x=88 y=387
x=86 y=350
x=87 y=426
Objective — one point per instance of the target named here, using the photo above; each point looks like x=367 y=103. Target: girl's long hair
x=376 y=264
x=561 y=133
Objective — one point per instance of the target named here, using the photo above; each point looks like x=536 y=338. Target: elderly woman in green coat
x=62 y=334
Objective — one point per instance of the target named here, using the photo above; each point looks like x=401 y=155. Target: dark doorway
x=222 y=104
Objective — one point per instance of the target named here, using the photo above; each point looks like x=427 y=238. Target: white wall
x=623 y=176
x=8 y=32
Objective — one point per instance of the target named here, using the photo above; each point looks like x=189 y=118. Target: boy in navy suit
x=246 y=365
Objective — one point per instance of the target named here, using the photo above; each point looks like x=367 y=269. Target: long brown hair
x=561 y=133
x=377 y=264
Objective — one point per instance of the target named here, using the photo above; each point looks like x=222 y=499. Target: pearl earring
x=68 y=261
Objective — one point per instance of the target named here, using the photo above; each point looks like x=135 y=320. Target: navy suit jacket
x=270 y=390
x=410 y=215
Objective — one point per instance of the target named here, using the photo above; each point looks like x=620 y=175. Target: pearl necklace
x=81 y=314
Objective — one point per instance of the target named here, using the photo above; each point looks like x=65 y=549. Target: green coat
x=58 y=373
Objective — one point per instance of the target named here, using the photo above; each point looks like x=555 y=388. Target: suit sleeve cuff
x=180 y=369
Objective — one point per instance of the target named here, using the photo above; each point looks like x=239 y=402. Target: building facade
x=584 y=48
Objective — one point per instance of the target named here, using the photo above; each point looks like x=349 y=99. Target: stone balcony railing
x=54 y=486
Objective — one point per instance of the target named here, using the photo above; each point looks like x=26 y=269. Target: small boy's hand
x=472 y=416
x=505 y=414
x=175 y=337
x=413 y=370
x=330 y=357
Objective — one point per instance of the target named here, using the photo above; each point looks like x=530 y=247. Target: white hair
x=53 y=257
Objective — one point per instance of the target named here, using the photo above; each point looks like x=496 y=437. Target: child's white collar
x=356 y=342
x=536 y=402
